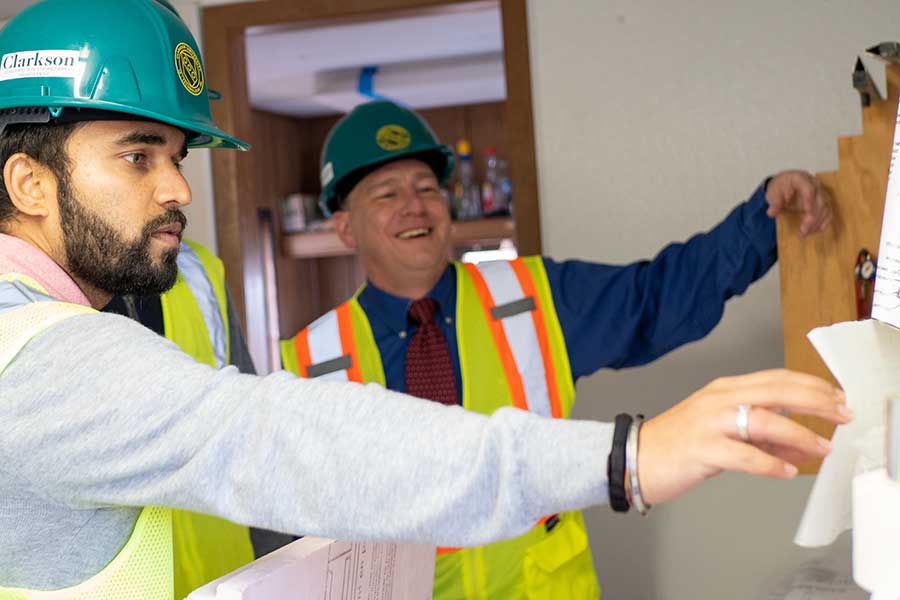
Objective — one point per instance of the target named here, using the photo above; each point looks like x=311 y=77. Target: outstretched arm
x=616 y=316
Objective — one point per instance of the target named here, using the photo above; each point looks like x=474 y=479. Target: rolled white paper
x=876 y=534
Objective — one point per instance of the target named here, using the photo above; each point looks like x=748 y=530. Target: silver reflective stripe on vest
x=513 y=309
x=325 y=350
x=194 y=275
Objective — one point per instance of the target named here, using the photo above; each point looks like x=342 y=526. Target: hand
x=698 y=438
x=800 y=192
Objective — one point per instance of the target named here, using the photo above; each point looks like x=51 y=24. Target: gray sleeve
x=262 y=540
x=99 y=411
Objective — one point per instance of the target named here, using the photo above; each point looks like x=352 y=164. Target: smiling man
x=511 y=333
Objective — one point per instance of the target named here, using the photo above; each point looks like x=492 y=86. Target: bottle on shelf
x=496 y=189
x=489 y=185
x=504 y=185
x=466 y=199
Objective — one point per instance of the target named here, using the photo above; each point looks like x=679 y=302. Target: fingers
x=775 y=376
x=815 y=205
x=736 y=456
x=806 y=194
x=799 y=191
x=783 y=390
x=795 y=457
x=769 y=431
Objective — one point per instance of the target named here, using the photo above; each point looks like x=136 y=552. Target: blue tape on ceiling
x=366 y=85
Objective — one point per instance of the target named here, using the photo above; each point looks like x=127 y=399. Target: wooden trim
x=281 y=12
x=520 y=127
x=224 y=72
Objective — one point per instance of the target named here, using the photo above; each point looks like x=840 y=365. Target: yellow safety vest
x=143 y=567
x=512 y=353
x=195 y=317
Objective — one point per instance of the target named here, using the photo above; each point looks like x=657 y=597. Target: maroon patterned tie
x=429 y=372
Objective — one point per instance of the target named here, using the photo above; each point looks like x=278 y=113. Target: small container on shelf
x=292 y=217
x=496 y=190
x=299 y=212
x=466 y=199
x=489 y=185
x=505 y=186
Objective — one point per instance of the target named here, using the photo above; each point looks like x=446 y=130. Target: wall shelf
x=320 y=244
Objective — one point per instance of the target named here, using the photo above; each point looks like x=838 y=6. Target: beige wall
x=654 y=118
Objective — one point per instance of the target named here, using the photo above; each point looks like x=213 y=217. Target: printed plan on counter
x=323 y=569
x=886 y=301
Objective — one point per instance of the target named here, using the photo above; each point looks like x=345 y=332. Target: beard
x=99 y=255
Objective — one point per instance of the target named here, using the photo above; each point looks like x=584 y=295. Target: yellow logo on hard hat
x=392 y=138
x=189 y=69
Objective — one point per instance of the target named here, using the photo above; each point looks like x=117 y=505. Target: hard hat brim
x=201 y=134
x=439 y=157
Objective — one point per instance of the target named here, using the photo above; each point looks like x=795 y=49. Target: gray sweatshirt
x=100 y=416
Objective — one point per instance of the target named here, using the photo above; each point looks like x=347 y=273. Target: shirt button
x=448 y=320
x=402 y=335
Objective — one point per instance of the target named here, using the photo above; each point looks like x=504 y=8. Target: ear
x=30 y=185
x=341 y=220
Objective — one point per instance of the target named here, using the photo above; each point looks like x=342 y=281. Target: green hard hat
x=85 y=59
x=372 y=135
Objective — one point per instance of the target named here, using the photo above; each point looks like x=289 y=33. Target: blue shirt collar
x=392 y=310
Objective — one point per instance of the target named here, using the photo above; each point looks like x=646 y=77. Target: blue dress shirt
x=612 y=316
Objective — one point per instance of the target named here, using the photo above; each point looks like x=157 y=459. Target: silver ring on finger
x=742 y=420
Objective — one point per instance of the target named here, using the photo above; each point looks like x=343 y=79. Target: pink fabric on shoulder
x=18 y=256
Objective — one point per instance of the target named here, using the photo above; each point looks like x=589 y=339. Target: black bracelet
x=615 y=465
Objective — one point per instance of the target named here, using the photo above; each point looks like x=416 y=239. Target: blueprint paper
x=886 y=299
x=324 y=569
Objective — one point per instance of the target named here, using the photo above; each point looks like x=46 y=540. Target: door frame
x=224 y=27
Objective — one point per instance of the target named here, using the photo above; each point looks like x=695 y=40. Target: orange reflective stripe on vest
x=540 y=328
x=506 y=291
x=327 y=347
x=513 y=379
x=301 y=347
x=345 y=327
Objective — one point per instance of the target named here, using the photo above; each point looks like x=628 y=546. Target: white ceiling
x=442 y=57
x=435 y=59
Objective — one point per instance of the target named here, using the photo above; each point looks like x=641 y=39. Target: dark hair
x=45 y=144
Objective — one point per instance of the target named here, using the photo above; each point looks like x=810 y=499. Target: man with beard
x=197 y=315
x=105 y=426
x=509 y=333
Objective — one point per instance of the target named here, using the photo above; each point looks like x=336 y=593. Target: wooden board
x=817 y=281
